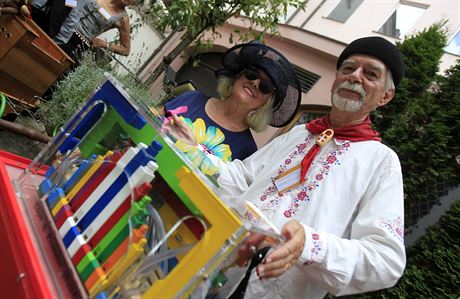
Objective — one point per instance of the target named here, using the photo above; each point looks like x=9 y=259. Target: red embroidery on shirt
x=303 y=193
x=316 y=247
x=395 y=227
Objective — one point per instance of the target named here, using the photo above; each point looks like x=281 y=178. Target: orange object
x=98 y=276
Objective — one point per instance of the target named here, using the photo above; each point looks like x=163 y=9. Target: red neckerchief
x=360 y=132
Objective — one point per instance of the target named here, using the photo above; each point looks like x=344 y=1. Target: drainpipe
x=24 y=131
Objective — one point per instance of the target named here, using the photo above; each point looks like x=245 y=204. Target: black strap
x=255 y=261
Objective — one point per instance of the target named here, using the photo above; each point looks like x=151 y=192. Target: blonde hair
x=225 y=86
x=257 y=119
x=261 y=117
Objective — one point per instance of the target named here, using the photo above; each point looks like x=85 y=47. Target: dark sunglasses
x=265 y=85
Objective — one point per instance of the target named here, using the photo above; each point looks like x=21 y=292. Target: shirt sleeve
x=374 y=255
x=236 y=177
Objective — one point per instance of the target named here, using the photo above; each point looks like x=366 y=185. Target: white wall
x=371 y=15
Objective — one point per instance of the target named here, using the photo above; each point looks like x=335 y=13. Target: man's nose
x=356 y=75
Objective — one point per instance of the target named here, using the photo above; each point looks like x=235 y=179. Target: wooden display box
x=30 y=61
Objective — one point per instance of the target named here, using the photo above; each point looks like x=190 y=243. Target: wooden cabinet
x=30 y=61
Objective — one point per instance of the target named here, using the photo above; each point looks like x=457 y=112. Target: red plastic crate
x=32 y=262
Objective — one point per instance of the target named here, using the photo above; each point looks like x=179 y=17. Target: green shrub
x=69 y=93
x=433 y=263
x=418 y=122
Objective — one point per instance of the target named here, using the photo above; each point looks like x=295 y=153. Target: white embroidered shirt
x=351 y=206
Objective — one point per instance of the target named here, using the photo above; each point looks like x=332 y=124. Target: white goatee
x=345 y=104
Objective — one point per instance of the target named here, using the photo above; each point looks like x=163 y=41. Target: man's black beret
x=379 y=48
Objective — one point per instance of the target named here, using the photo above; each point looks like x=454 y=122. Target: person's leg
x=40 y=17
x=58 y=13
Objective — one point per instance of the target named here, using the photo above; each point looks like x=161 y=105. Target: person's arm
x=124 y=47
x=374 y=256
x=236 y=177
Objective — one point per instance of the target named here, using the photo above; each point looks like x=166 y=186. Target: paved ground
x=20 y=145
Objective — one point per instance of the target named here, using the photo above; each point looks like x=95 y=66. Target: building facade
x=313 y=38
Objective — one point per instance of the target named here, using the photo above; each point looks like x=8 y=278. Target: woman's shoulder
x=195 y=102
x=196 y=94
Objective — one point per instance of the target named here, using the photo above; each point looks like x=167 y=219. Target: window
x=401 y=20
x=454 y=46
x=307 y=115
x=344 y=10
x=291 y=12
x=306 y=79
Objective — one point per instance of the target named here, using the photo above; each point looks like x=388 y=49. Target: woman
x=89 y=19
x=258 y=87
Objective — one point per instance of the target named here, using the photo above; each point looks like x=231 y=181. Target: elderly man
x=332 y=186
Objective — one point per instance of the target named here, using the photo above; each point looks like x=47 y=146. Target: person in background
x=331 y=187
x=258 y=87
x=91 y=18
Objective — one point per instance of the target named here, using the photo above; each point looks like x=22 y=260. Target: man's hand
x=248 y=248
x=283 y=257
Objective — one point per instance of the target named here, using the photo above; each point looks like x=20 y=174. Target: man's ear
x=387 y=97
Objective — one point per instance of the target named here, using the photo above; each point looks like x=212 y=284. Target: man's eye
x=372 y=75
x=347 y=69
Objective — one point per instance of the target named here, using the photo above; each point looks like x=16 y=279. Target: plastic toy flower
x=210 y=139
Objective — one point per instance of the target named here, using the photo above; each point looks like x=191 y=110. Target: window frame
x=406 y=3
x=348 y=17
x=456 y=35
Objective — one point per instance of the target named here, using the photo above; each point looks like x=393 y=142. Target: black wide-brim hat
x=277 y=67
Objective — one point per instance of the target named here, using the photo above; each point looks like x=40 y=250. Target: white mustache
x=356 y=87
